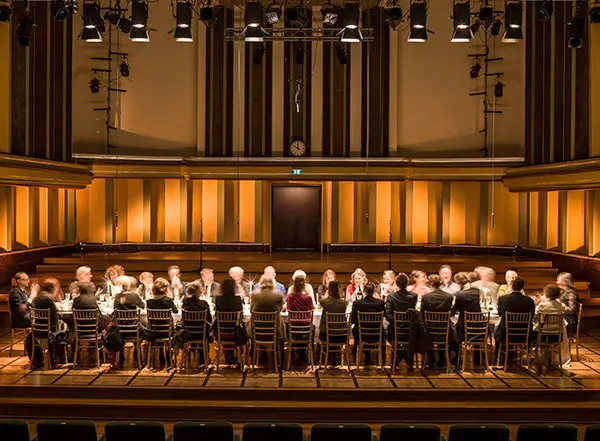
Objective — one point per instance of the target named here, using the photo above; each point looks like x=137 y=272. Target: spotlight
x=139 y=35
x=475 y=69
x=183 y=35
x=124 y=69
x=139 y=15
x=340 y=52
x=121 y=23
x=351 y=15
x=595 y=12
x=393 y=16
x=297 y=16
x=183 y=15
x=499 y=89
x=543 y=10
x=72 y=7
x=207 y=15
x=513 y=19
x=576 y=30
x=417 y=35
x=495 y=28
x=273 y=13
x=351 y=35
x=95 y=85
x=254 y=14
x=91 y=15
x=462 y=15
x=330 y=14
x=258 y=53
x=254 y=35
x=486 y=12
x=462 y=35
x=418 y=15
x=91 y=35
x=25 y=29
x=5 y=11
x=299 y=53
x=59 y=10
x=475 y=26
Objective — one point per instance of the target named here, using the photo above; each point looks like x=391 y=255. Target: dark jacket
x=267 y=301
x=333 y=306
x=86 y=301
x=45 y=301
x=215 y=289
x=513 y=302
x=228 y=303
x=366 y=304
x=20 y=315
x=437 y=301
x=162 y=302
x=465 y=301
x=129 y=301
x=399 y=301
x=193 y=303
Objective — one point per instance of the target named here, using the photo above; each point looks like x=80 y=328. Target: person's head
x=551 y=292
x=518 y=284
x=564 y=281
x=461 y=278
x=445 y=274
x=435 y=281
x=146 y=278
x=418 y=277
x=83 y=274
x=298 y=273
x=52 y=287
x=402 y=281
x=267 y=283
x=160 y=287
x=194 y=289
x=388 y=277
x=359 y=277
x=369 y=289
x=269 y=271
x=126 y=283
x=207 y=276
x=328 y=277
x=22 y=279
x=228 y=287
x=473 y=276
x=486 y=274
x=236 y=273
x=86 y=289
x=510 y=276
x=173 y=271
x=299 y=284
x=114 y=271
x=333 y=289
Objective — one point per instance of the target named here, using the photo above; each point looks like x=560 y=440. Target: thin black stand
x=390 y=249
x=201 y=259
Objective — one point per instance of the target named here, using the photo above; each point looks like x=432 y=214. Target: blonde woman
x=358 y=280
x=419 y=283
x=328 y=276
x=307 y=286
x=388 y=283
x=145 y=287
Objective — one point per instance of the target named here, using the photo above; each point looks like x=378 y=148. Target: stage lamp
x=351 y=35
x=72 y=7
x=25 y=29
x=183 y=14
x=462 y=15
x=273 y=14
x=462 y=35
x=330 y=14
x=499 y=89
x=297 y=16
x=183 y=35
x=124 y=69
x=207 y=16
x=576 y=30
x=394 y=16
x=91 y=15
x=475 y=69
x=5 y=11
x=475 y=26
x=254 y=35
x=595 y=12
x=340 y=52
x=543 y=10
x=417 y=35
x=139 y=35
x=121 y=23
x=418 y=15
x=139 y=15
x=95 y=85
x=91 y=35
x=254 y=14
x=59 y=10
x=486 y=12
x=513 y=20
x=495 y=28
x=258 y=53
x=351 y=15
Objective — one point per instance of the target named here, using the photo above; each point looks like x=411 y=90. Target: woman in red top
x=298 y=298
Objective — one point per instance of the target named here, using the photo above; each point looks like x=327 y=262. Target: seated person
x=269 y=271
x=487 y=285
x=242 y=287
x=268 y=299
x=19 y=301
x=193 y=301
x=112 y=272
x=160 y=296
x=298 y=298
x=366 y=304
x=86 y=300
x=466 y=299
x=333 y=303
x=446 y=283
x=145 y=287
x=228 y=301
x=506 y=288
x=129 y=298
x=437 y=300
x=210 y=287
x=549 y=304
x=47 y=300
x=570 y=299
x=328 y=276
x=400 y=301
x=177 y=288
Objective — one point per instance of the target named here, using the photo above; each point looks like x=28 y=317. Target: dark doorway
x=296 y=217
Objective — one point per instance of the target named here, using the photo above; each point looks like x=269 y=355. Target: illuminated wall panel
x=575 y=217
x=22 y=217
x=209 y=210
x=552 y=221
x=346 y=212
x=247 y=210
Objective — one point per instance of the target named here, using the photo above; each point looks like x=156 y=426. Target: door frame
x=319 y=185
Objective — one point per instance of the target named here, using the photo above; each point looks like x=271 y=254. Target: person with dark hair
x=446 y=283
x=333 y=302
x=437 y=300
x=570 y=299
x=369 y=303
x=227 y=301
x=193 y=300
x=19 y=301
x=466 y=299
x=549 y=304
x=399 y=301
x=298 y=298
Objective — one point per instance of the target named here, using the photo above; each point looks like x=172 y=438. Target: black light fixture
x=120 y=22
x=72 y=7
x=495 y=28
x=499 y=89
x=595 y=12
x=486 y=12
x=5 y=11
x=330 y=15
x=183 y=35
x=297 y=16
x=91 y=15
x=139 y=22
x=417 y=35
x=461 y=22
x=59 y=10
x=139 y=35
x=254 y=14
x=183 y=14
x=576 y=30
x=25 y=29
x=543 y=10
x=299 y=53
x=254 y=35
x=95 y=85
x=207 y=15
x=273 y=13
x=91 y=35
x=351 y=33
x=513 y=21
x=475 y=69
x=418 y=15
x=394 y=15
x=258 y=53
x=341 y=53
x=475 y=26
x=124 y=68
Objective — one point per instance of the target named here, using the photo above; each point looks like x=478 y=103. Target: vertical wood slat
x=582 y=88
x=568 y=89
x=560 y=48
x=57 y=54
x=375 y=85
x=68 y=78
x=547 y=89
x=529 y=68
x=539 y=79
x=18 y=85
x=38 y=58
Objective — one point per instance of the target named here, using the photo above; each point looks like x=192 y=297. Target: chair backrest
x=227 y=322
x=518 y=325
x=300 y=325
x=86 y=323
x=66 y=431
x=128 y=321
x=547 y=432
x=264 y=326
x=402 y=326
x=14 y=430
x=370 y=325
x=478 y=432
x=40 y=322
x=409 y=432
x=161 y=322
x=551 y=324
x=195 y=431
x=592 y=433
x=127 y=431
x=272 y=432
x=438 y=326
x=346 y=432
x=477 y=326
x=579 y=314
x=194 y=323
x=336 y=327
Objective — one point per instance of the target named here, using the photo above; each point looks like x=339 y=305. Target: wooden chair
x=227 y=322
x=401 y=334
x=476 y=337
x=265 y=326
x=160 y=322
x=575 y=339
x=336 y=338
x=518 y=327
x=194 y=322
x=19 y=333
x=370 y=336
x=86 y=333
x=550 y=336
x=438 y=326
x=40 y=334
x=128 y=323
x=300 y=335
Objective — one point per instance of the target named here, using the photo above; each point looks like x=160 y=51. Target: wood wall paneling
x=5 y=67
x=568 y=90
x=582 y=91
x=560 y=49
x=38 y=71
x=529 y=92
x=57 y=81
x=546 y=71
x=539 y=76
x=18 y=87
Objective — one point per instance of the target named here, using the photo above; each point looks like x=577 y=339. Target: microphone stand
x=390 y=248
x=201 y=247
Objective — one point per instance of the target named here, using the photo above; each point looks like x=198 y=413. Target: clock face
x=298 y=148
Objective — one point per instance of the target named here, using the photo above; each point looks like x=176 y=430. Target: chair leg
x=380 y=352
x=486 y=355
x=464 y=353
x=447 y=353
x=97 y=355
x=506 y=349
x=394 y=355
x=289 y=355
x=577 y=349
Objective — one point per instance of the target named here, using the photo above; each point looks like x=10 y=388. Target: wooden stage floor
x=571 y=395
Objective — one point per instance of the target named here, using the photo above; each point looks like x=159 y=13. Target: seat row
x=14 y=430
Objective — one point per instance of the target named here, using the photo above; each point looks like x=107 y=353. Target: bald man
x=242 y=287
x=269 y=272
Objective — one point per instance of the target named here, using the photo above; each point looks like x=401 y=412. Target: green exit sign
x=296 y=171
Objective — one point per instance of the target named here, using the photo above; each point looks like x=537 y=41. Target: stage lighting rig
x=341 y=53
x=273 y=13
x=513 y=21
x=95 y=85
x=461 y=22
x=576 y=30
x=5 y=11
x=543 y=10
x=59 y=10
x=330 y=14
x=297 y=16
x=393 y=14
x=595 y=12
x=25 y=29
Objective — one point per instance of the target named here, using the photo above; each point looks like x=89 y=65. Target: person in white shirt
x=177 y=289
x=447 y=285
x=487 y=285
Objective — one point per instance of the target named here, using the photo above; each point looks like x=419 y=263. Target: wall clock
x=297 y=148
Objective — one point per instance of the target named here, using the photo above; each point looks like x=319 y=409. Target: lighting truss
x=299 y=34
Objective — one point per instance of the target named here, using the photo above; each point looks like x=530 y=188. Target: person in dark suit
x=128 y=298
x=332 y=303
x=160 y=296
x=211 y=288
x=513 y=302
x=268 y=299
x=193 y=300
x=86 y=298
x=437 y=300
x=46 y=300
x=465 y=300
x=227 y=301
x=400 y=301
x=19 y=301
x=367 y=304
